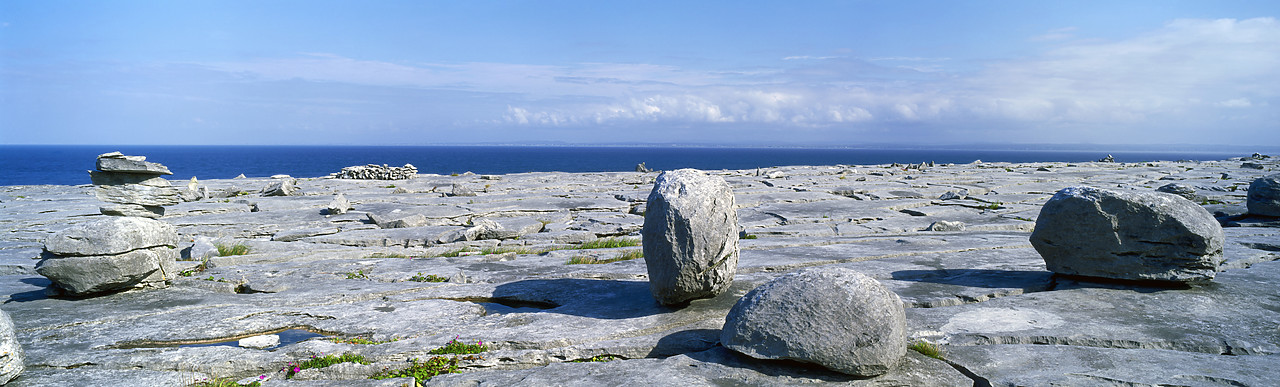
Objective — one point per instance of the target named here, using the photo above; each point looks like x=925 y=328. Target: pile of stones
x=377 y=172
x=133 y=186
x=126 y=250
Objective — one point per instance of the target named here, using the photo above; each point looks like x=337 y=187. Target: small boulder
x=152 y=212
x=459 y=190
x=1251 y=165
x=1182 y=190
x=117 y=162
x=1264 y=196
x=834 y=317
x=1128 y=235
x=339 y=205
x=280 y=187
x=643 y=169
x=1108 y=159
x=954 y=195
x=690 y=236
x=943 y=225
x=12 y=358
x=260 y=341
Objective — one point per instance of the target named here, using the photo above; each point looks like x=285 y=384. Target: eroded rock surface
x=1264 y=196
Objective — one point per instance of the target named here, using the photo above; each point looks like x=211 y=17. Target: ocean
x=66 y=164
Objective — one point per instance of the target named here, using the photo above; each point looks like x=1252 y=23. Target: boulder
x=690 y=236
x=143 y=195
x=1182 y=190
x=82 y=275
x=117 y=162
x=459 y=190
x=153 y=212
x=943 y=225
x=834 y=317
x=280 y=187
x=954 y=195
x=643 y=169
x=1108 y=159
x=259 y=342
x=111 y=235
x=1264 y=196
x=1251 y=165
x=12 y=358
x=339 y=205
x=1128 y=235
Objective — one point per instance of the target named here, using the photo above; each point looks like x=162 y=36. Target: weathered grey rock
x=642 y=169
x=378 y=172
x=281 y=187
x=260 y=341
x=144 y=195
x=112 y=235
x=1264 y=196
x=153 y=212
x=117 y=162
x=413 y=220
x=954 y=195
x=478 y=230
x=1182 y=190
x=943 y=225
x=510 y=228
x=338 y=206
x=459 y=190
x=690 y=236
x=82 y=275
x=1128 y=235
x=201 y=248
x=12 y=358
x=1252 y=165
x=834 y=317
x=121 y=178
x=1108 y=159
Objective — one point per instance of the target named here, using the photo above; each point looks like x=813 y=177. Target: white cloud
x=1235 y=103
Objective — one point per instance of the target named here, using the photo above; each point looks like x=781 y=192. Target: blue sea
x=66 y=164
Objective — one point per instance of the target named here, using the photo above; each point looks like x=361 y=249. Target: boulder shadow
x=1067 y=281
x=41 y=293
x=601 y=299
x=979 y=278
x=775 y=368
x=686 y=341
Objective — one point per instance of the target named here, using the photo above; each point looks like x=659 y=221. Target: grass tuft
x=597 y=359
x=609 y=243
x=624 y=256
x=223 y=382
x=236 y=249
x=456 y=347
x=386 y=255
x=926 y=348
x=422 y=371
x=428 y=278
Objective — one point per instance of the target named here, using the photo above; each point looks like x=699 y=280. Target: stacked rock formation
x=1264 y=196
x=834 y=317
x=1128 y=235
x=690 y=236
x=110 y=254
x=378 y=172
x=133 y=186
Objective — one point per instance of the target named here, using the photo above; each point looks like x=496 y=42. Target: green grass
x=358 y=274
x=624 y=256
x=597 y=359
x=456 y=347
x=608 y=243
x=422 y=371
x=428 y=278
x=750 y=236
x=229 y=250
x=359 y=340
x=328 y=360
x=926 y=348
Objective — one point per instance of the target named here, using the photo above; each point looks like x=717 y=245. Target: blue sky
x=832 y=73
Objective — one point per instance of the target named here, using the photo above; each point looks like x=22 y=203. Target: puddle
x=287 y=337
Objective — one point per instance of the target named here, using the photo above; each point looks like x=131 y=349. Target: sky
x=750 y=73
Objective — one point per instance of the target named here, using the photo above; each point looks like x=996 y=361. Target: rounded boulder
x=834 y=317
x=1128 y=235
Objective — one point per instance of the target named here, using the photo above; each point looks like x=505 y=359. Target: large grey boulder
x=111 y=235
x=1264 y=196
x=339 y=205
x=12 y=359
x=834 y=317
x=690 y=236
x=117 y=162
x=282 y=187
x=101 y=273
x=1128 y=235
x=1182 y=190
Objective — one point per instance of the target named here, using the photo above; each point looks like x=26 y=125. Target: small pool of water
x=289 y=336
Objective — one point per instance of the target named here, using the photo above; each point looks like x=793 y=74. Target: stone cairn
x=133 y=186
x=377 y=172
x=690 y=236
x=129 y=249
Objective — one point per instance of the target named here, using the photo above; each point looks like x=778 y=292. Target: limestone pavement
x=981 y=293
